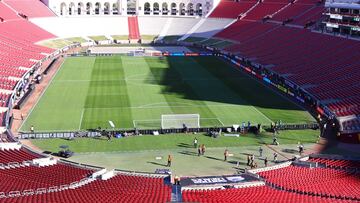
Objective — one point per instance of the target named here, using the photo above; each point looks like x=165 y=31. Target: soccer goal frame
x=173 y=121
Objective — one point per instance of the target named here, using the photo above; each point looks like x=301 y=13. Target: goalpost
x=169 y=121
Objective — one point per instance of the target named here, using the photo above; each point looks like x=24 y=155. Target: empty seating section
x=33 y=177
x=30 y=8
x=334 y=163
x=231 y=9
x=210 y=27
x=18 y=51
x=4 y=99
x=151 y=25
x=264 y=9
x=78 y=25
x=133 y=27
x=262 y=194
x=337 y=183
x=242 y=31
x=7 y=84
x=312 y=14
x=6 y=13
x=180 y=26
x=120 y=188
x=283 y=47
x=9 y=156
x=292 y=12
x=23 y=29
x=13 y=72
x=2 y=117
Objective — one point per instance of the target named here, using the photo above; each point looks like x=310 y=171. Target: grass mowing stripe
x=42 y=94
x=60 y=107
x=106 y=78
x=146 y=92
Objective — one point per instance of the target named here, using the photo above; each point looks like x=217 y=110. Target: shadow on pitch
x=159 y=164
x=207 y=84
x=188 y=153
x=184 y=145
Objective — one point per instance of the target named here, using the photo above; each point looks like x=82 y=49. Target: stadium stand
x=264 y=9
x=30 y=8
x=180 y=26
x=133 y=27
x=16 y=155
x=210 y=27
x=6 y=13
x=151 y=25
x=336 y=163
x=292 y=12
x=311 y=15
x=4 y=99
x=121 y=188
x=33 y=177
x=262 y=194
x=280 y=47
x=231 y=9
x=331 y=182
x=77 y=26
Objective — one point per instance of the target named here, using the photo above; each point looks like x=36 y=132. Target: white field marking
x=159 y=120
x=46 y=88
x=81 y=117
x=257 y=110
x=221 y=122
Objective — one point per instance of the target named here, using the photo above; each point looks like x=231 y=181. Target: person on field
x=32 y=128
x=203 y=148
x=301 y=149
x=265 y=161
x=195 y=142
x=260 y=151
x=275 y=157
x=275 y=142
x=199 y=151
x=169 y=160
x=226 y=154
x=248 y=160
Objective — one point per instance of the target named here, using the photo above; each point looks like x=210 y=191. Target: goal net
x=180 y=120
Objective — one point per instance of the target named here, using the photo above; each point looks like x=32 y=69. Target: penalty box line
x=159 y=120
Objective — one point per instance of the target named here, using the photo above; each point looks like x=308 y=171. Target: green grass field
x=139 y=153
x=87 y=92
x=173 y=141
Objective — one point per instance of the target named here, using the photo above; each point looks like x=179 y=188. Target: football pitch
x=88 y=92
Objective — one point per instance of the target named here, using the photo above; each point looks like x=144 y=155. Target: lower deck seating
x=121 y=188
x=334 y=163
x=304 y=57
x=262 y=194
x=32 y=177
x=8 y=156
x=336 y=183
